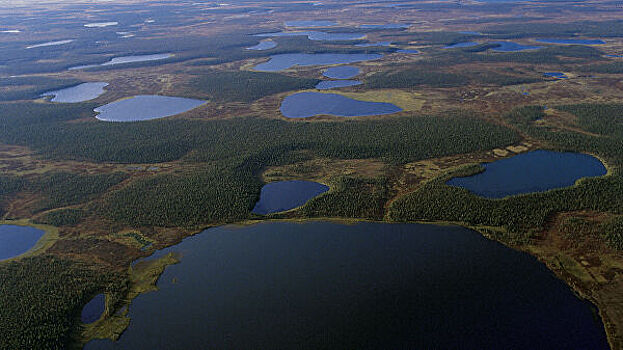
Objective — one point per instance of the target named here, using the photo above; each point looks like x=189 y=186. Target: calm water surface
x=378 y=43
x=341 y=72
x=145 y=107
x=535 y=171
x=17 y=240
x=572 y=41
x=285 y=61
x=323 y=285
x=509 y=46
x=459 y=45
x=263 y=45
x=309 y=24
x=94 y=309
x=318 y=36
x=127 y=59
x=557 y=75
x=78 y=93
x=285 y=195
x=307 y=104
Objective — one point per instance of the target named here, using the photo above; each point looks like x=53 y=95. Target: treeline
x=21 y=88
x=42 y=297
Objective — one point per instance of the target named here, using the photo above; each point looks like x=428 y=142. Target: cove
x=17 y=240
x=288 y=60
x=326 y=285
x=78 y=93
x=145 y=107
x=529 y=172
x=334 y=84
x=285 y=195
x=307 y=104
x=94 y=309
x=341 y=72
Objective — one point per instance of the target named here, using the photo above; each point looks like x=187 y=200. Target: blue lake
x=572 y=41
x=94 y=309
x=145 y=107
x=385 y=26
x=407 y=51
x=535 y=171
x=288 y=60
x=378 y=43
x=78 y=93
x=326 y=285
x=509 y=46
x=263 y=45
x=318 y=36
x=334 y=84
x=469 y=32
x=459 y=45
x=309 y=24
x=556 y=75
x=341 y=72
x=308 y=104
x=286 y=195
x=127 y=59
x=17 y=240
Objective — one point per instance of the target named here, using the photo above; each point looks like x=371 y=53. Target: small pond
x=509 y=46
x=326 y=285
x=572 y=41
x=94 y=309
x=288 y=60
x=127 y=59
x=378 y=43
x=308 y=104
x=285 y=195
x=408 y=51
x=341 y=72
x=529 y=172
x=50 y=43
x=334 y=84
x=318 y=36
x=145 y=107
x=557 y=75
x=78 y=93
x=263 y=45
x=17 y=240
x=101 y=24
x=459 y=45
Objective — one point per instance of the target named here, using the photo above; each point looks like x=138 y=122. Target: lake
x=509 y=46
x=334 y=84
x=309 y=24
x=127 y=59
x=17 y=240
x=145 y=107
x=50 y=43
x=529 y=172
x=318 y=36
x=341 y=72
x=307 y=104
x=326 y=285
x=572 y=41
x=288 y=60
x=263 y=45
x=78 y=93
x=459 y=45
x=557 y=75
x=94 y=309
x=285 y=195
x=385 y=26
x=378 y=43
x=101 y=24
x=407 y=51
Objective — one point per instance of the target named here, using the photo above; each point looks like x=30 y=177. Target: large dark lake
x=535 y=171
x=308 y=104
x=325 y=285
x=17 y=240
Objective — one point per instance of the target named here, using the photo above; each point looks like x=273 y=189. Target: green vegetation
x=351 y=197
x=613 y=232
x=604 y=68
x=244 y=86
x=42 y=298
x=62 y=217
x=22 y=88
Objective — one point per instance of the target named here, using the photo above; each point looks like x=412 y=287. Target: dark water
x=94 y=309
x=557 y=75
x=334 y=84
x=145 y=107
x=378 y=43
x=286 y=195
x=17 y=240
x=341 y=72
x=78 y=93
x=307 y=104
x=408 y=51
x=263 y=45
x=509 y=46
x=322 y=285
x=318 y=36
x=309 y=24
x=459 y=45
x=572 y=41
x=288 y=60
x=530 y=172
